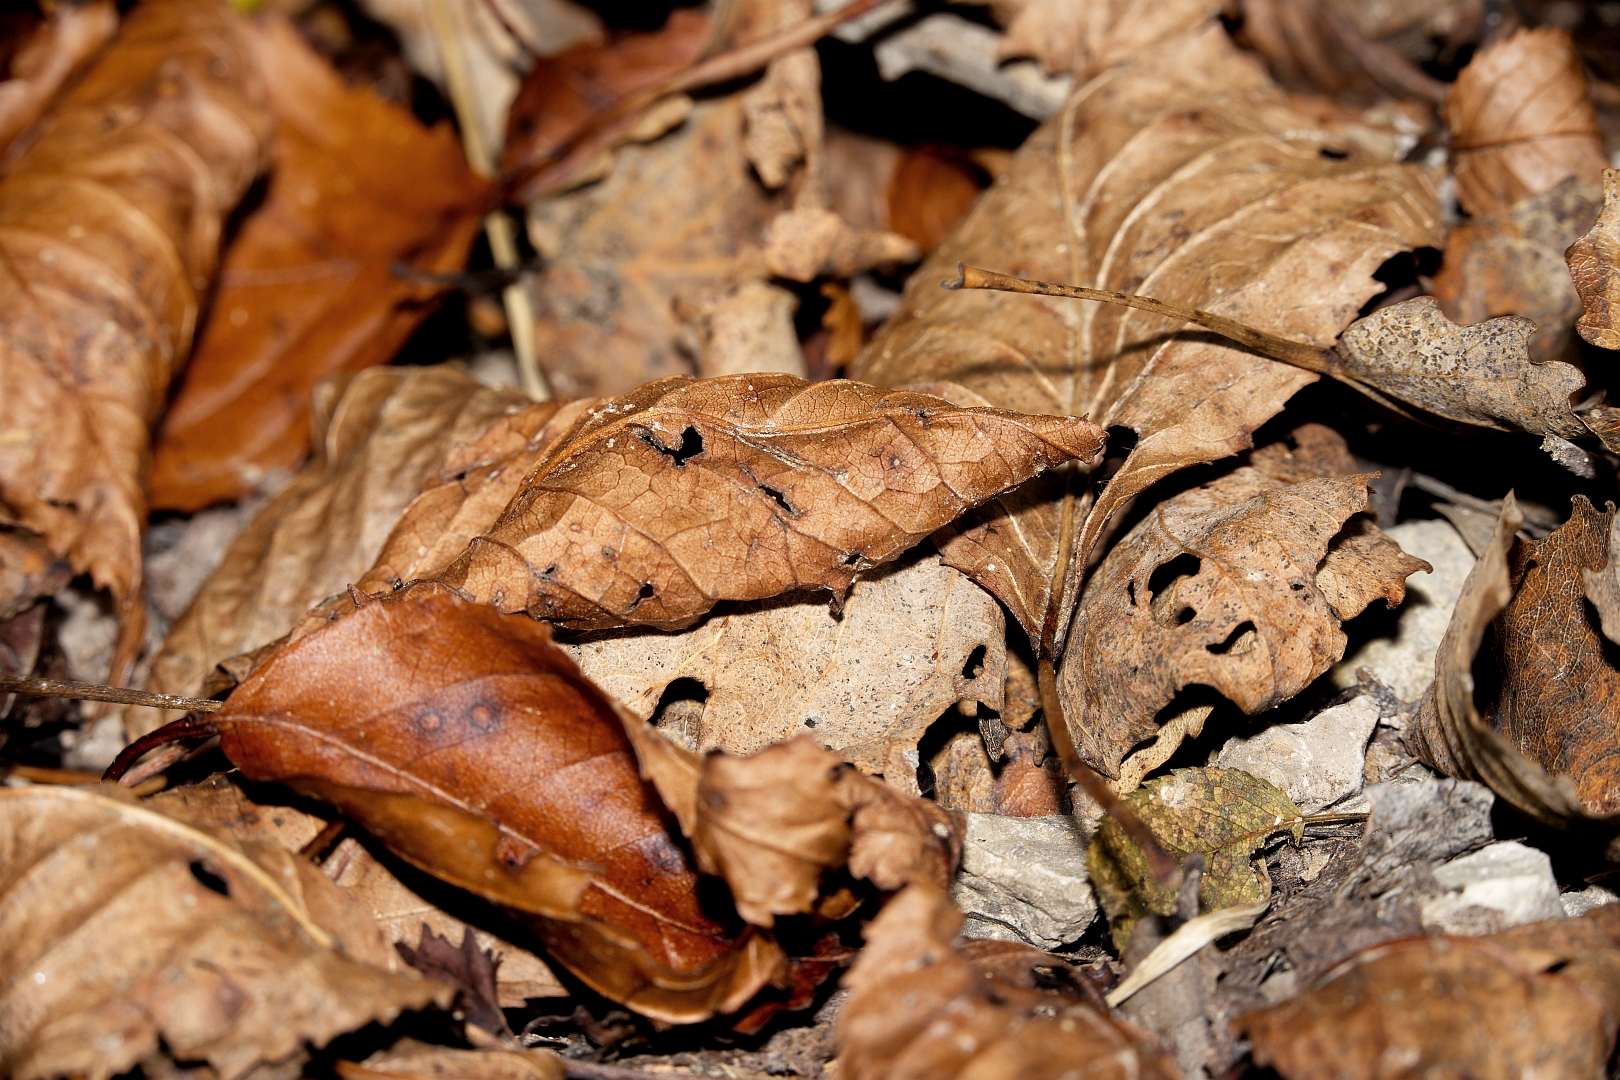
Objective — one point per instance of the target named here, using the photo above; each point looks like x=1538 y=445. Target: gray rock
x=1025 y=879
x=1500 y=885
x=1576 y=904
x=1405 y=662
x=1316 y=763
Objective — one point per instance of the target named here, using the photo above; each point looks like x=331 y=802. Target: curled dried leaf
x=1593 y=263
x=68 y=40
x=681 y=494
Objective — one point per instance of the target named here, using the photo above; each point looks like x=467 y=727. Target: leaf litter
x=641 y=722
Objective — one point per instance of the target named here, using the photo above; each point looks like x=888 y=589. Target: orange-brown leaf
x=308 y=287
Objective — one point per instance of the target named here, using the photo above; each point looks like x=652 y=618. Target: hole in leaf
x=691 y=446
x=1162 y=586
x=975 y=663
x=1332 y=154
x=209 y=880
x=1242 y=639
x=781 y=499
x=680 y=711
x=646 y=592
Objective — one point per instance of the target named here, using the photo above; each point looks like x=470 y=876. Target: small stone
x=1501 y=885
x=1316 y=763
x=1405 y=662
x=1025 y=879
x=1576 y=904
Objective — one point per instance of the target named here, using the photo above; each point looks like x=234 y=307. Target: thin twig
x=64 y=688
x=554 y=172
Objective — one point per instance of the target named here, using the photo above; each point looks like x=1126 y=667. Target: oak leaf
x=666 y=500
x=481 y=755
x=1222 y=814
x=1592 y=261
x=110 y=226
x=1521 y=122
x=1537 y=1000
x=308 y=287
x=127 y=929
x=1137 y=184
x=380 y=435
x=1231 y=586
x=920 y=1005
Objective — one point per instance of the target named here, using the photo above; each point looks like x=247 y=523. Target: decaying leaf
x=308 y=287
x=914 y=638
x=774 y=823
x=379 y=436
x=1538 y=1000
x=68 y=40
x=480 y=754
x=1593 y=260
x=1521 y=122
x=666 y=500
x=1452 y=733
x=109 y=226
x=1184 y=174
x=1222 y=814
x=421 y=1061
x=921 y=1006
x=1237 y=586
x=128 y=930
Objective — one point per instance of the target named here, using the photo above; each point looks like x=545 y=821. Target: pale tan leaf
x=1593 y=260
x=411 y=1059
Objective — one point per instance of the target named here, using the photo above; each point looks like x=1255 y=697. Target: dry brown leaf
x=774 y=823
x=1183 y=175
x=412 y=1060
x=1521 y=122
x=1086 y=39
x=481 y=755
x=28 y=570
x=308 y=288
x=1512 y=263
x=1538 y=1000
x=1452 y=734
x=932 y=188
x=920 y=1006
x=681 y=494
x=114 y=943
x=379 y=436
x=747 y=327
x=1592 y=261
x=109 y=227
x=57 y=51
x=1603 y=586
x=1220 y=587
x=1358 y=50
x=914 y=638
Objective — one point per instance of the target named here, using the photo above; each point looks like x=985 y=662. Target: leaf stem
x=119 y=695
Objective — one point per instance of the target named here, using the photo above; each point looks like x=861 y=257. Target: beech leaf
x=664 y=501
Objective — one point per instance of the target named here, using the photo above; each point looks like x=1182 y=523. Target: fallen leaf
x=57 y=51
x=666 y=500
x=1512 y=263
x=379 y=436
x=1085 y=40
x=28 y=571
x=1521 y=122
x=468 y=968
x=1603 y=586
x=128 y=931
x=308 y=287
x=931 y=190
x=748 y=327
x=922 y=1006
x=1537 y=1000
x=1452 y=733
x=1138 y=182
x=914 y=638
x=1357 y=51
x=1231 y=586
x=1592 y=260
x=110 y=237
x=1222 y=814
x=573 y=840
x=409 y=1058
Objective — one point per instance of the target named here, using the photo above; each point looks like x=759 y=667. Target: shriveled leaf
x=468 y=968
x=409 y=1058
x=109 y=226
x=1086 y=39
x=914 y=638
x=481 y=755
x=308 y=287
x=56 y=52
x=1538 y=1000
x=922 y=1006
x=1452 y=733
x=1521 y=122
x=666 y=500
x=1222 y=814
x=1593 y=260
x=379 y=436
x=773 y=823
x=1185 y=175
x=1232 y=586
x=115 y=942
